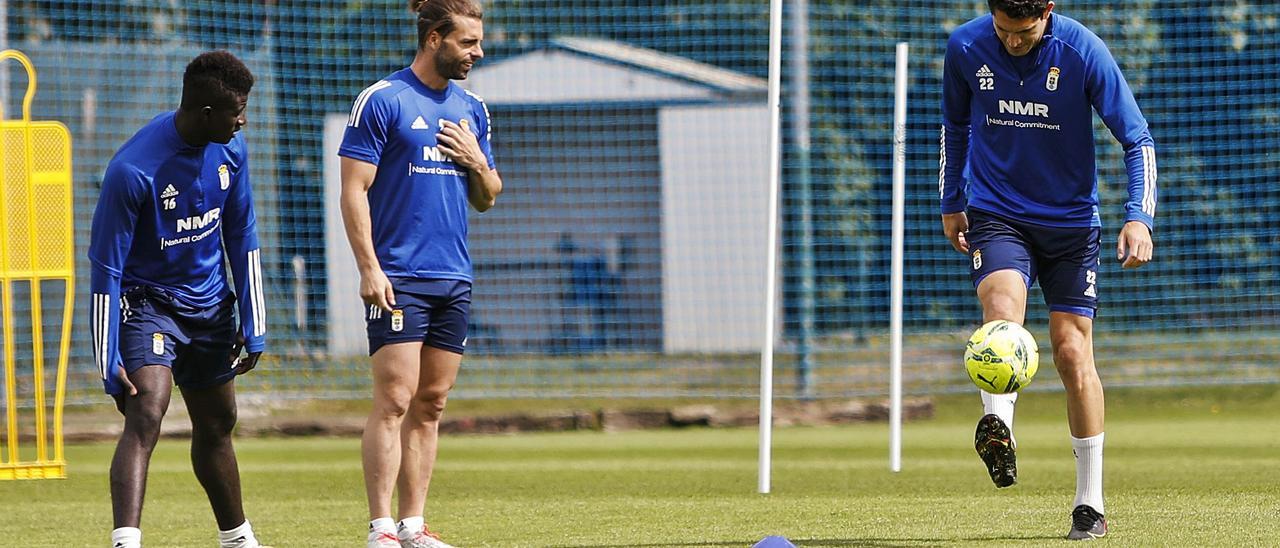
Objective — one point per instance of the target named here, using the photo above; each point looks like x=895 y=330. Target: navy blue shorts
x=157 y=329
x=434 y=312
x=1064 y=259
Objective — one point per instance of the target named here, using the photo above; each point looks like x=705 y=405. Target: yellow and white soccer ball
x=1001 y=357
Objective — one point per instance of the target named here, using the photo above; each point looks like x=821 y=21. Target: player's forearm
x=358 y=225
x=246 y=268
x=1140 y=166
x=104 y=316
x=954 y=151
x=484 y=186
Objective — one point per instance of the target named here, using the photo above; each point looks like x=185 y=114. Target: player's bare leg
x=395 y=379
x=1072 y=337
x=213 y=457
x=143 y=414
x=1003 y=295
x=419 y=435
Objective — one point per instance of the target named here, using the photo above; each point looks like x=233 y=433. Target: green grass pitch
x=1185 y=467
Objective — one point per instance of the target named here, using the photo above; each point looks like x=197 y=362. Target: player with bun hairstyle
x=408 y=230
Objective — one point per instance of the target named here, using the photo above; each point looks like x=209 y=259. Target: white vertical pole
x=802 y=187
x=89 y=113
x=775 y=161
x=895 y=305
x=299 y=264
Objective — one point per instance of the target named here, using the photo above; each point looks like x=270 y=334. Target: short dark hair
x=215 y=77
x=1019 y=9
x=438 y=16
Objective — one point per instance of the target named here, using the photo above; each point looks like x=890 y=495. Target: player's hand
x=129 y=389
x=376 y=289
x=248 y=362
x=123 y=377
x=1134 y=247
x=461 y=146
x=954 y=225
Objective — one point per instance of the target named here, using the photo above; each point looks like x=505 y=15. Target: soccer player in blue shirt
x=173 y=198
x=415 y=153
x=1019 y=193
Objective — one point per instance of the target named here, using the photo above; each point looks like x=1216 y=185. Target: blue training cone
x=774 y=542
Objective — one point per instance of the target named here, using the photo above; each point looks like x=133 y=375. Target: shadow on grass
x=805 y=542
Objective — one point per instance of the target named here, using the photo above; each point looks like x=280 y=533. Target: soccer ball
x=1001 y=357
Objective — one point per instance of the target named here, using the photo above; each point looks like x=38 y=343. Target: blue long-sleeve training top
x=166 y=211
x=1017 y=132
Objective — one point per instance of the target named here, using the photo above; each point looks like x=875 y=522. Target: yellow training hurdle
x=36 y=245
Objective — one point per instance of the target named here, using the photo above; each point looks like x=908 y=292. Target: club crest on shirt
x=1051 y=83
x=464 y=123
x=224 y=177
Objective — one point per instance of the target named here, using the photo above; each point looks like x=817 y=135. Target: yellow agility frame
x=36 y=245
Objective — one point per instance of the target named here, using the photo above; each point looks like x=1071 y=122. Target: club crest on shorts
x=224 y=177
x=977 y=259
x=157 y=344
x=1051 y=83
x=397 y=320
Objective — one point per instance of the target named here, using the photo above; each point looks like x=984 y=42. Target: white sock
x=126 y=537
x=239 y=537
x=1088 y=453
x=409 y=527
x=383 y=525
x=1000 y=405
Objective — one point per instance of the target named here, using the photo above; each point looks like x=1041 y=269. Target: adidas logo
x=419 y=123
x=985 y=72
x=169 y=192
